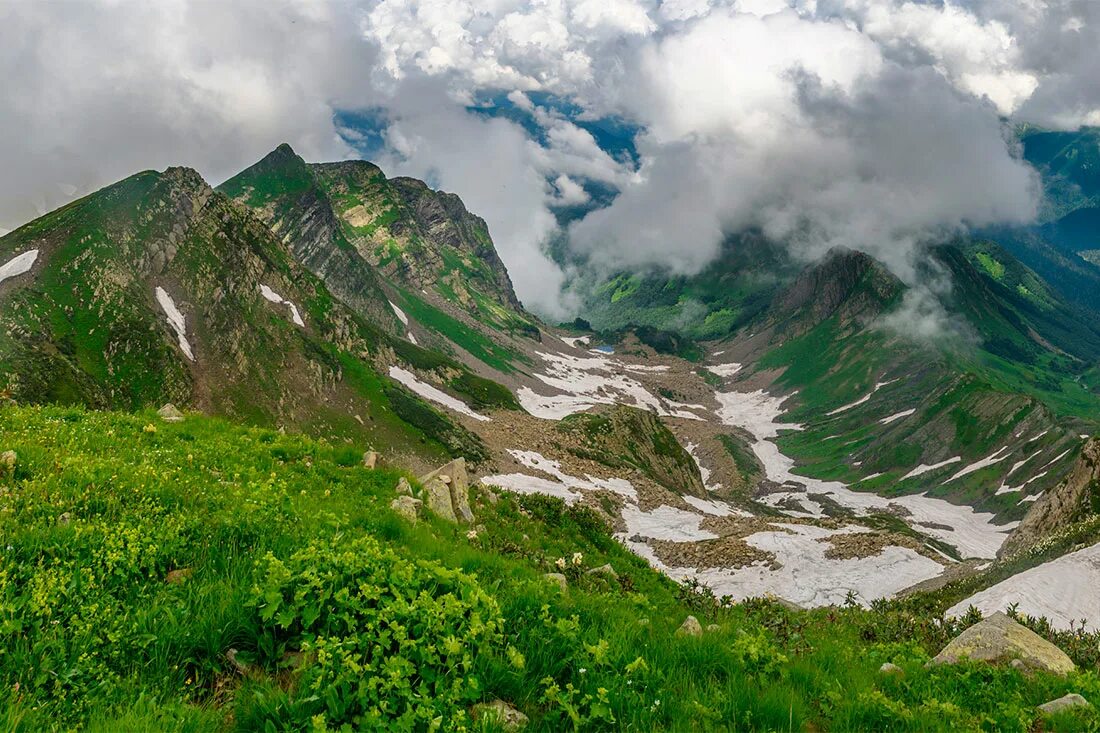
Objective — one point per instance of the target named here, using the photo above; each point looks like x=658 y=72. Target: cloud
x=96 y=91
x=876 y=124
x=808 y=133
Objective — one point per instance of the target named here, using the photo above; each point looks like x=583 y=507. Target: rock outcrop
x=1066 y=702
x=447 y=492
x=999 y=639
x=1061 y=505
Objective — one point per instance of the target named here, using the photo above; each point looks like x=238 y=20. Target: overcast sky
x=872 y=123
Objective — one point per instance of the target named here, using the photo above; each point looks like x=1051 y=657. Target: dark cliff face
x=284 y=192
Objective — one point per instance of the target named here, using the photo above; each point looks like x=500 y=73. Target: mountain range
x=819 y=431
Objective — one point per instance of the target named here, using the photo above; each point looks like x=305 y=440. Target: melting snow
x=18 y=265
x=399 y=313
x=175 y=320
x=574 y=340
x=521 y=483
x=1039 y=436
x=716 y=508
x=429 y=392
x=983 y=463
x=274 y=297
x=897 y=416
x=704 y=472
x=861 y=400
x=539 y=462
x=587 y=381
x=724 y=370
x=925 y=468
x=412 y=339
x=807 y=576
x=665 y=523
x=1063 y=590
x=973 y=533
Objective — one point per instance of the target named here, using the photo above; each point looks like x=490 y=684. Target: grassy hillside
x=140 y=555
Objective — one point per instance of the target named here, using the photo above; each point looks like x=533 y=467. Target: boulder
x=690 y=627
x=447 y=490
x=8 y=459
x=64 y=518
x=178 y=576
x=169 y=413
x=891 y=670
x=1000 y=639
x=713 y=627
x=407 y=507
x=560 y=580
x=504 y=715
x=370 y=459
x=403 y=488
x=1066 y=702
x=605 y=569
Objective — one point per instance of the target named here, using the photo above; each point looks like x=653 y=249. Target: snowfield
x=586 y=381
x=971 y=532
x=1065 y=590
x=432 y=394
x=18 y=265
x=175 y=320
x=807 y=577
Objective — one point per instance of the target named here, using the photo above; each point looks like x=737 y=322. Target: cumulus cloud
x=877 y=124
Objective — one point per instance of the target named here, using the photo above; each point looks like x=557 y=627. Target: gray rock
x=561 y=581
x=1066 y=702
x=892 y=670
x=1000 y=639
x=1018 y=665
x=690 y=627
x=169 y=413
x=605 y=569
x=448 y=492
x=403 y=487
x=504 y=715
x=65 y=518
x=370 y=459
x=713 y=627
x=8 y=459
x=407 y=507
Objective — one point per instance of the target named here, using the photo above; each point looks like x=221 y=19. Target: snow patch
x=806 y=576
x=724 y=370
x=574 y=340
x=972 y=533
x=274 y=297
x=175 y=320
x=925 y=467
x=716 y=508
x=539 y=462
x=897 y=416
x=18 y=265
x=412 y=339
x=399 y=313
x=429 y=392
x=983 y=463
x=1062 y=590
x=665 y=523
x=704 y=472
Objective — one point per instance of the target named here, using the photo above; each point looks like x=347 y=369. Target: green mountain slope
x=199 y=576
x=256 y=336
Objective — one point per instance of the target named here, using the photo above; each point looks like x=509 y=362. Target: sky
x=663 y=125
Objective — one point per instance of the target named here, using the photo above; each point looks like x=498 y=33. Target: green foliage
x=459 y=441
x=387 y=642
x=307 y=605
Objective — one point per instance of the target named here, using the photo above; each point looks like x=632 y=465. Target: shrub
x=387 y=642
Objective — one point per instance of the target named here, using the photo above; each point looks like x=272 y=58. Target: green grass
x=478 y=345
x=294 y=560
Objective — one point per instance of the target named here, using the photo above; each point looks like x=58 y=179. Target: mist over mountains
x=881 y=125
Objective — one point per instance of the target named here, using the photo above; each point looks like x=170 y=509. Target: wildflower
x=582 y=670
x=150 y=428
x=328 y=492
x=577 y=558
x=560 y=563
x=472 y=534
